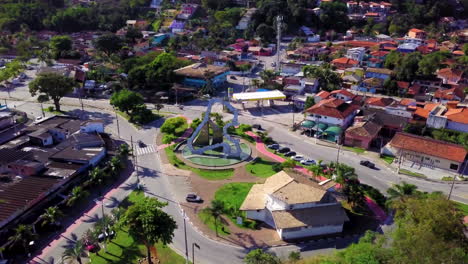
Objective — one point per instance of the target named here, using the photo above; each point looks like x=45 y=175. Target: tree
x=133 y=34
x=407 y=70
x=391 y=87
x=96 y=176
x=23 y=234
x=75 y=251
x=400 y=191
x=53 y=86
x=265 y=32
x=60 y=45
x=258 y=256
x=126 y=100
x=328 y=80
x=76 y=194
x=51 y=216
x=115 y=165
x=267 y=76
x=174 y=126
x=430 y=63
x=149 y=224
x=392 y=59
x=334 y=16
x=108 y=44
x=216 y=210
x=209 y=87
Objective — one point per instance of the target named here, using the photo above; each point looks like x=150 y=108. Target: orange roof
x=422 y=112
x=343 y=92
x=323 y=94
x=357 y=43
x=459 y=115
x=407 y=101
x=372 y=14
x=458 y=52
x=379 y=101
x=450 y=94
x=345 y=60
x=333 y=107
x=415 y=30
x=379 y=53
x=429 y=146
x=430 y=106
x=403 y=85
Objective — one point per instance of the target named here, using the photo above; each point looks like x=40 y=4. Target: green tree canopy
x=148 y=223
x=408 y=68
x=108 y=44
x=258 y=256
x=52 y=86
x=328 y=79
x=60 y=45
x=126 y=100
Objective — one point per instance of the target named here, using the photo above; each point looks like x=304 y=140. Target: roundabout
x=215 y=158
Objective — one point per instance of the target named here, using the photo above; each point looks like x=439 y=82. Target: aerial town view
x=234 y=132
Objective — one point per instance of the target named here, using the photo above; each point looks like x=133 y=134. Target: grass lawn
x=414 y=174
x=355 y=149
x=207 y=174
x=463 y=207
x=54 y=111
x=447 y=178
x=208 y=220
x=261 y=168
x=233 y=195
x=138 y=126
x=388 y=159
x=123 y=249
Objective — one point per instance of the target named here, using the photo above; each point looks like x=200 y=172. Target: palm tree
x=216 y=210
x=97 y=175
x=123 y=151
x=75 y=251
x=23 y=235
x=398 y=192
x=51 y=216
x=115 y=165
x=77 y=194
x=267 y=76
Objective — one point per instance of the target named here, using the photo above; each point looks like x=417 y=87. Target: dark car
x=290 y=154
x=257 y=126
x=284 y=150
x=233 y=77
x=273 y=146
x=193 y=198
x=141 y=144
x=367 y=164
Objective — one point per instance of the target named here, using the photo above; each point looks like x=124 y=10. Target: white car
x=298 y=158
x=307 y=162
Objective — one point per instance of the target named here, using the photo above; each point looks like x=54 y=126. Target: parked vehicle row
x=294 y=156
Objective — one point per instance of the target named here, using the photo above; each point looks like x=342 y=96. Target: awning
x=256 y=96
x=334 y=130
x=308 y=124
x=321 y=127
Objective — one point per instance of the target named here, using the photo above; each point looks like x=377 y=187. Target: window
x=453 y=166
x=427 y=158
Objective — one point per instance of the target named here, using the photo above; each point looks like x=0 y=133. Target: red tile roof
x=345 y=60
x=323 y=94
x=407 y=101
x=453 y=76
x=429 y=146
x=343 y=92
x=415 y=30
x=422 y=112
x=333 y=107
x=459 y=115
x=364 y=129
x=357 y=43
x=403 y=85
x=449 y=94
x=379 y=101
x=379 y=53
x=430 y=106
x=458 y=52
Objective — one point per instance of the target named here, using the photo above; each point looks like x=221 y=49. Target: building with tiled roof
x=332 y=111
x=417 y=33
x=362 y=133
x=445 y=95
x=426 y=152
x=342 y=94
x=379 y=102
x=450 y=76
x=321 y=96
x=295 y=209
x=344 y=63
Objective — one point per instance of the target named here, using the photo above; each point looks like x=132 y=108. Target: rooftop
x=429 y=146
x=332 y=107
x=198 y=70
x=313 y=217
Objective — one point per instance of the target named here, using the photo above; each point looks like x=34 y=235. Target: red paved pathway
x=260 y=146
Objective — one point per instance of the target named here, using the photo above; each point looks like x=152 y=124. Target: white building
x=294 y=209
x=356 y=53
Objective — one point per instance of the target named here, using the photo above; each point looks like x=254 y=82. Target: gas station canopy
x=258 y=96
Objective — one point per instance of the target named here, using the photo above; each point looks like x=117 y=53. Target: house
x=344 y=63
x=322 y=95
x=195 y=75
x=445 y=95
x=356 y=53
x=450 y=76
x=296 y=210
x=330 y=117
x=457 y=119
x=260 y=51
x=417 y=33
x=158 y=39
x=391 y=124
x=177 y=26
x=426 y=152
x=379 y=73
x=362 y=133
x=141 y=46
x=6 y=118
x=342 y=94
x=187 y=11
x=378 y=102
x=140 y=24
x=369 y=85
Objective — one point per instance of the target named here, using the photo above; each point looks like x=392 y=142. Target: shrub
x=174 y=126
x=374 y=194
x=288 y=164
x=142 y=115
x=277 y=167
x=195 y=123
x=168 y=138
x=50 y=108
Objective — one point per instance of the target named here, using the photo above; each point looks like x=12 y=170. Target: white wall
x=92 y=127
x=309 y=231
x=457 y=126
x=274 y=204
x=326 y=120
x=96 y=159
x=256 y=214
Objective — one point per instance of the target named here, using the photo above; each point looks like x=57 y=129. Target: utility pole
x=453 y=182
x=117 y=119
x=279 y=20
x=338 y=154
x=185 y=237
x=193 y=251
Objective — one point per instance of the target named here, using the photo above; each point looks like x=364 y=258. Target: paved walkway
x=378 y=212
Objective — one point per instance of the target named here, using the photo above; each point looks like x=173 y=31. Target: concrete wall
x=96 y=159
x=92 y=127
x=274 y=204
x=457 y=126
x=292 y=233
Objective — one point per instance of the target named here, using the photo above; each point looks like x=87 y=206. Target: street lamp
x=193 y=251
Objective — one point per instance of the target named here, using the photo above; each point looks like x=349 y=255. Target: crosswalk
x=145 y=151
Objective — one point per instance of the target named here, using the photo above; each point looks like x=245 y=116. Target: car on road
x=284 y=150
x=273 y=64
x=298 y=157
x=273 y=146
x=38 y=118
x=290 y=154
x=233 y=78
x=367 y=164
x=193 y=198
x=308 y=162
x=141 y=144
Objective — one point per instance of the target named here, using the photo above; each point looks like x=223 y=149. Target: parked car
x=273 y=146
x=233 y=77
x=298 y=157
x=141 y=144
x=308 y=162
x=290 y=154
x=367 y=164
x=257 y=126
x=284 y=150
x=193 y=198
x=273 y=64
